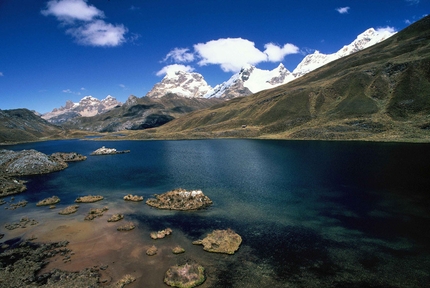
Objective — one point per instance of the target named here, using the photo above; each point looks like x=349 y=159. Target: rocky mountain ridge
x=252 y=79
x=88 y=106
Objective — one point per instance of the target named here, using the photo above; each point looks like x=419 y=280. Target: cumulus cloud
x=230 y=53
x=85 y=26
x=276 y=53
x=70 y=10
x=1 y=74
x=233 y=53
x=387 y=29
x=171 y=69
x=343 y=10
x=181 y=55
x=98 y=33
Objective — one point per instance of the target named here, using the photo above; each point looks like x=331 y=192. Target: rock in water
x=134 y=198
x=180 y=199
x=108 y=151
x=185 y=276
x=68 y=157
x=89 y=199
x=48 y=201
x=69 y=210
x=221 y=241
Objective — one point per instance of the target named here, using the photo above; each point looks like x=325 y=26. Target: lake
x=310 y=213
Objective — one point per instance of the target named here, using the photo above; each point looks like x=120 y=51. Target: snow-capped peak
x=364 y=40
x=186 y=84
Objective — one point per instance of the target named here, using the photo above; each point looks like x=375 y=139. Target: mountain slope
x=140 y=113
x=21 y=125
x=379 y=93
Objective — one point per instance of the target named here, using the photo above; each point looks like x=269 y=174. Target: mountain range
x=252 y=80
x=377 y=93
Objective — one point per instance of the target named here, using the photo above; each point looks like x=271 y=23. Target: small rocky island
x=134 y=198
x=180 y=199
x=29 y=162
x=108 y=151
x=89 y=199
x=221 y=241
x=188 y=275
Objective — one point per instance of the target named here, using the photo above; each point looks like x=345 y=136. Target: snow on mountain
x=189 y=85
x=251 y=80
x=86 y=107
x=364 y=40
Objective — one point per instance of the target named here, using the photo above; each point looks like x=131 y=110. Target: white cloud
x=70 y=10
x=84 y=24
x=98 y=33
x=83 y=89
x=233 y=53
x=171 y=69
x=387 y=29
x=1 y=74
x=343 y=10
x=71 y=92
x=180 y=55
x=277 y=54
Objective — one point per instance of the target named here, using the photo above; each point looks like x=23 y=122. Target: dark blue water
x=311 y=214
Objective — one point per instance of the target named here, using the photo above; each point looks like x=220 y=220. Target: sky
x=52 y=51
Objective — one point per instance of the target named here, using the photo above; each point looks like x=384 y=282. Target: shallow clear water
x=311 y=213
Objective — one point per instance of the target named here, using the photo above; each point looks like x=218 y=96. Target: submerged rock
x=134 y=198
x=21 y=266
x=180 y=199
x=160 y=234
x=48 y=201
x=127 y=227
x=151 y=251
x=185 y=276
x=69 y=210
x=13 y=206
x=95 y=212
x=127 y=279
x=116 y=217
x=108 y=151
x=89 y=199
x=21 y=224
x=178 y=250
x=221 y=241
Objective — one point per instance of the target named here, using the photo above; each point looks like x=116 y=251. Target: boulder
x=127 y=227
x=69 y=210
x=95 y=212
x=116 y=217
x=89 y=199
x=151 y=251
x=108 y=151
x=178 y=250
x=185 y=276
x=180 y=199
x=221 y=241
x=161 y=234
x=134 y=198
x=48 y=201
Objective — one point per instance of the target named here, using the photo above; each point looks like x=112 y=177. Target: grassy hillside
x=380 y=93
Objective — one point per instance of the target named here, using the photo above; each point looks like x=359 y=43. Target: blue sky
x=58 y=50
